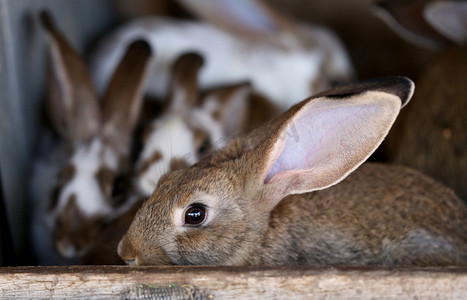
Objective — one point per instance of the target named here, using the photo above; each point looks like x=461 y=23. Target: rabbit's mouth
x=69 y=250
x=131 y=262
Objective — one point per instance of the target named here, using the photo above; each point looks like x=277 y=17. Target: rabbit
x=284 y=60
x=277 y=195
x=80 y=183
x=431 y=134
x=194 y=123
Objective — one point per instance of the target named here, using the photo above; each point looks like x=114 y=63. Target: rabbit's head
x=218 y=211
x=91 y=188
x=192 y=124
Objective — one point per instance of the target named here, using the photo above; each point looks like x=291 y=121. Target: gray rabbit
x=277 y=196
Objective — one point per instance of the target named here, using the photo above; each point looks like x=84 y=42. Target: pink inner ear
x=324 y=136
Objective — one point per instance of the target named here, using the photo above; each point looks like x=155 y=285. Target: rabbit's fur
x=284 y=60
x=267 y=196
x=87 y=166
x=431 y=134
x=194 y=123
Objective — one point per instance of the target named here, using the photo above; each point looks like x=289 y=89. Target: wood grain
x=186 y=282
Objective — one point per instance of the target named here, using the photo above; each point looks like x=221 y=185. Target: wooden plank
x=187 y=282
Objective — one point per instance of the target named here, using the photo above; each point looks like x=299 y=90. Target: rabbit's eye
x=204 y=148
x=119 y=191
x=65 y=175
x=202 y=142
x=54 y=198
x=195 y=215
x=119 y=186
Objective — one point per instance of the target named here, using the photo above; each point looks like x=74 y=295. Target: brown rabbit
x=266 y=198
x=431 y=135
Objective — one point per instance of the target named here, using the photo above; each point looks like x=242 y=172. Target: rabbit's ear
x=229 y=105
x=124 y=96
x=249 y=18
x=407 y=19
x=449 y=18
x=72 y=102
x=318 y=142
x=184 y=92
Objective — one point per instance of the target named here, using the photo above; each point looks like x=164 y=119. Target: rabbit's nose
x=124 y=251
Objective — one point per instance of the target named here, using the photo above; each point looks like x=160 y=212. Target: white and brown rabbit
x=194 y=123
x=277 y=196
x=431 y=135
x=284 y=60
x=79 y=182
